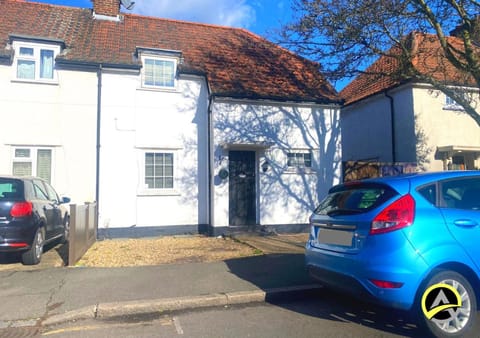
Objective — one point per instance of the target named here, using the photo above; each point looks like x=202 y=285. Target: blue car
x=411 y=242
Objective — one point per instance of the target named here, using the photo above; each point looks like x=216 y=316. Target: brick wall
x=106 y=7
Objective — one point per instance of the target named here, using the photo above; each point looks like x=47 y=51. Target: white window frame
x=37 y=49
x=143 y=189
x=33 y=159
x=299 y=167
x=451 y=104
x=145 y=57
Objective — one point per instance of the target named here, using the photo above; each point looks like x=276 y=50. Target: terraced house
x=169 y=125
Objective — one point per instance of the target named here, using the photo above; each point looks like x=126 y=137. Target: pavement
x=51 y=294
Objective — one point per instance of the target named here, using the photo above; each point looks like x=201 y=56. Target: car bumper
x=352 y=273
x=16 y=236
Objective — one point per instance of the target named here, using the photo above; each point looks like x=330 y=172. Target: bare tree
x=347 y=36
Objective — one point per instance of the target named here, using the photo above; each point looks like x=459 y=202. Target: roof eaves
x=158 y=51
x=37 y=39
x=88 y=64
x=191 y=71
x=375 y=93
x=256 y=97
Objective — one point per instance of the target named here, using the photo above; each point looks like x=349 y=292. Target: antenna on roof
x=128 y=4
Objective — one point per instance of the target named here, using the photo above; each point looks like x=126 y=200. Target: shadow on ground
x=54 y=255
x=330 y=305
x=272 y=271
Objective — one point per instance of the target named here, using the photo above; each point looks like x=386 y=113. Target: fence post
x=71 y=235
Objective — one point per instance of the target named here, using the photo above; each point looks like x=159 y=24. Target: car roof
x=429 y=176
x=21 y=178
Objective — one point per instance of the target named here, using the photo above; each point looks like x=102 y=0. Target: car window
x=461 y=193
x=52 y=194
x=354 y=199
x=11 y=189
x=429 y=192
x=39 y=190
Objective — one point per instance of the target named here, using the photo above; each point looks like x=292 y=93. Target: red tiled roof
x=236 y=63
x=428 y=58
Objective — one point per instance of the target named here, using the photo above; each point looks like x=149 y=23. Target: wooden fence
x=353 y=170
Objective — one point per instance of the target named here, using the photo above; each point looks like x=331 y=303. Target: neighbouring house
x=171 y=126
x=390 y=121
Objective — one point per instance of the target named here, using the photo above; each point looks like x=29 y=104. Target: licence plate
x=337 y=237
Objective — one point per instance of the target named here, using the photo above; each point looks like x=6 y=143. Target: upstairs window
x=451 y=104
x=35 y=62
x=159 y=72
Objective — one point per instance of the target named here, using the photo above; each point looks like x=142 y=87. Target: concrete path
x=51 y=295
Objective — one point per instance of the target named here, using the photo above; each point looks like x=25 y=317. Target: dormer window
x=35 y=62
x=159 y=68
x=159 y=72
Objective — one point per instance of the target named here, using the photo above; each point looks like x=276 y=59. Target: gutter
x=86 y=65
x=392 y=126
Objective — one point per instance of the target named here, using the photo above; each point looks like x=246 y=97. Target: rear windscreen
x=10 y=189
x=354 y=199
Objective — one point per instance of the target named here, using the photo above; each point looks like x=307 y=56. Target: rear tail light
x=398 y=215
x=383 y=284
x=21 y=209
x=17 y=245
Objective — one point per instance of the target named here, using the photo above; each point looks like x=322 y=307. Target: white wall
x=283 y=197
x=134 y=120
x=421 y=125
x=364 y=136
x=442 y=127
x=62 y=116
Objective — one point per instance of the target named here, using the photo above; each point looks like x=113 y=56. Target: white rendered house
x=171 y=126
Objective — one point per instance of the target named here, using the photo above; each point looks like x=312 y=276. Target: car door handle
x=465 y=223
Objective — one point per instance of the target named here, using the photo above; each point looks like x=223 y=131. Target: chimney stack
x=106 y=8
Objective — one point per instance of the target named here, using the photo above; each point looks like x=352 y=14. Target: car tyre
x=461 y=319
x=34 y=254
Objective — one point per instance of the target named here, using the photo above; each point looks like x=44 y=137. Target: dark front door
x=242 y=187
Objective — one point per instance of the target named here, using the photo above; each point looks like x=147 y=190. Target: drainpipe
x=210 y=165
x=99 y=114
x=392 y=126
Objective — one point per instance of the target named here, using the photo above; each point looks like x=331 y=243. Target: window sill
x=159 y=89
x=306 y=171
x=158 y=192
x=454 y=108
x=39 y=82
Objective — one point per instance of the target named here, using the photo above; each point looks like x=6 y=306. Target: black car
x=31 y=215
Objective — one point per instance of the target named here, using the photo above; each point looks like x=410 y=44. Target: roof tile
x=429 y=58
x=236 y=62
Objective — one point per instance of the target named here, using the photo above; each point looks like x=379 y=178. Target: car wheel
x=66 y=230
x=442 y=315
x=34 y=254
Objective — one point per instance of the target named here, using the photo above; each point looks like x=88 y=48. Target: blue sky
x=258 y=16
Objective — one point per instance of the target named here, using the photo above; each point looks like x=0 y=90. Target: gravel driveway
x=166 y=250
